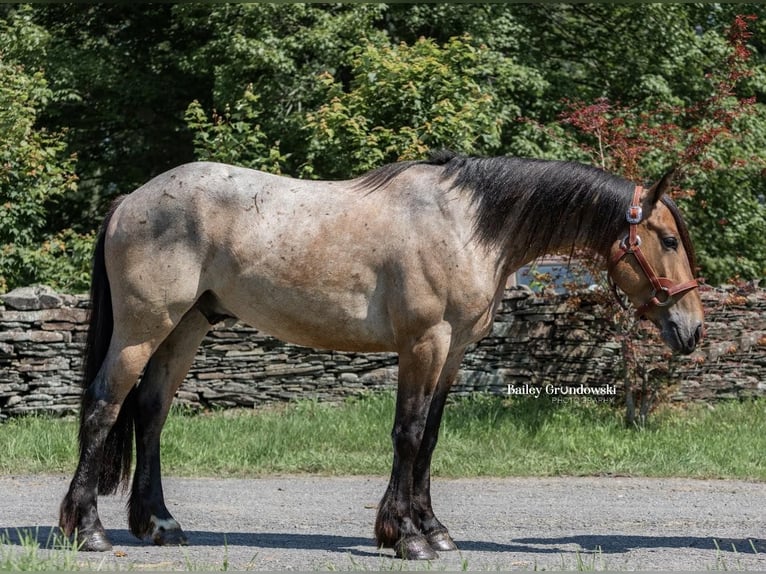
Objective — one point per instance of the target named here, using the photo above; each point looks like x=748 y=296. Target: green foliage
x=234 y=137
x=62 y=261
x=717 y=141
x=402 y=101
x=727 y=220
x=274 y=52
x=35 y=171
x=118 y=90
x=332 y=90
x=393 y=102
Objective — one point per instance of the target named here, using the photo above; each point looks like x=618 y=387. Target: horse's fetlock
x=387 y=531
x=139 y=518
x=68 y=516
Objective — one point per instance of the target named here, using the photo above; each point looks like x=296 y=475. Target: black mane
x=542 y=202
x=539 y=204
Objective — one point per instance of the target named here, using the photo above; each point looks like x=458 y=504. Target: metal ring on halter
x=624 y=243
x=668 y=297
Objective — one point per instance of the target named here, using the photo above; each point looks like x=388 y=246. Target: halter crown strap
x=664 y=289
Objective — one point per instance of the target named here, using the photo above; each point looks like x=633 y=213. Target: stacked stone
x=42 y=337
x=732 y=361
x=238 y=366
x=534 y=341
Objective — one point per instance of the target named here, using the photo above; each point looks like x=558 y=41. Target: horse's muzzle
x=680 y=339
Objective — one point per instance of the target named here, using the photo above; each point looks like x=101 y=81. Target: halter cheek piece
x=663 y=289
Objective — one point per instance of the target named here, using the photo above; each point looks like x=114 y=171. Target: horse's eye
x=670 y=242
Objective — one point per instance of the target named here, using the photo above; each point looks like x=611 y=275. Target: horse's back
x=320 y=263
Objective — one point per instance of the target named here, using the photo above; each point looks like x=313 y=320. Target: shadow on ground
x=363 y=546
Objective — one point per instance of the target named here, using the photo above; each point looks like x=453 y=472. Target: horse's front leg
x=420 y=366
x=436 y=533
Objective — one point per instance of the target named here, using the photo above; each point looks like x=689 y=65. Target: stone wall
x=558 y=340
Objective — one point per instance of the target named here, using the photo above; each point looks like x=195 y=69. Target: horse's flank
x=291 y=257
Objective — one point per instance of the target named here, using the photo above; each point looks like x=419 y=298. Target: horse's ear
x=658 y=189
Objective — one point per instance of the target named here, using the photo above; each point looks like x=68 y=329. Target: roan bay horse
x=412 y=258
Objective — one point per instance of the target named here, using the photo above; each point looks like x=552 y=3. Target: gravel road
x=325 y=523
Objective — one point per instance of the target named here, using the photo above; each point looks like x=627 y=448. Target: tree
x=234 y=136
x=119 y=91
x=716 y=141
x=385 y=102
x=403 y=100
x=709 y=140
x=36 y=169
x=122 y=80
x=265 y=61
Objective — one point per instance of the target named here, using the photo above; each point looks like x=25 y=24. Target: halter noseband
x=664 y=289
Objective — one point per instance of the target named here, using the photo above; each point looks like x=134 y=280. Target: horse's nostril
x=690 y=342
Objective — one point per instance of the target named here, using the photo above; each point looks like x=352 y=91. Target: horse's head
x=653 y=263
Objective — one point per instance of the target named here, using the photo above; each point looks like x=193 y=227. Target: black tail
x=118 y=449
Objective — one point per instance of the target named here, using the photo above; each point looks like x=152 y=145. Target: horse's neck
x=580 y=230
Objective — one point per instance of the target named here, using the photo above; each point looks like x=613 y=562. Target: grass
x=481 y=436
x=26 y=554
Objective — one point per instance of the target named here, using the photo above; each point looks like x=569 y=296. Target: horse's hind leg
x=100 y=407
x=148 y=515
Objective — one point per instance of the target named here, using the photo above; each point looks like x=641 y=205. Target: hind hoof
x=441 y=540
x=94 y=542
x=170 y=538
x=168 y=532
x=414 y=548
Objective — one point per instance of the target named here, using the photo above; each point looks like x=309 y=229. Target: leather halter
x=663 y=289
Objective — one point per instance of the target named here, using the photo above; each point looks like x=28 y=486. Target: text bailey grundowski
x=556 y=390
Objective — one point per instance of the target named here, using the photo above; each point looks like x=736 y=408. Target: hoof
x=414 y=548
x=170 y=538
x=168 y=533
x=441 y=540
x=94 y=542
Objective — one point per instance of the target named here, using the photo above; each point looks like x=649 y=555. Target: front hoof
x=441 y=540
x=94 y=542
x=415 y=548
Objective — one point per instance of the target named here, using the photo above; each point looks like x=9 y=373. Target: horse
x=411 y=258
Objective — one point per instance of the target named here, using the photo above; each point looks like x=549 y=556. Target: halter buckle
x=634 y=215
